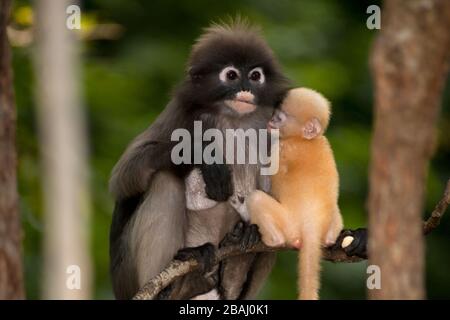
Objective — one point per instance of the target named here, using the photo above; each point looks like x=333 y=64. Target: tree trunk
x=409 y=65
x=63 y=148
x=11 y=286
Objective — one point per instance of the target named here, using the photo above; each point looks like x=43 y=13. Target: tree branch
x=177 y=269
x=435 y=218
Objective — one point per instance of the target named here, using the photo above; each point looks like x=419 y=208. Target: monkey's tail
x=309 y=269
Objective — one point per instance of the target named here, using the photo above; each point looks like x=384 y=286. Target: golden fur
x=303 y=211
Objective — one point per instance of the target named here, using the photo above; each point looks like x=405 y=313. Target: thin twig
x=435 y=218
x=177 y=269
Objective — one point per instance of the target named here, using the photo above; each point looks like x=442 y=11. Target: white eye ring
x=224 y=77
x=261 y=79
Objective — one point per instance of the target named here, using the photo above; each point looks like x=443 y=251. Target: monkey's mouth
x=240 y=105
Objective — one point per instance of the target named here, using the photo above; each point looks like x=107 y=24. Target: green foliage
x=127 y=82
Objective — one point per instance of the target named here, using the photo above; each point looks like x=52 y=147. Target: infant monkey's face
x=278 y=120
x=291 y=126
x=304 y=113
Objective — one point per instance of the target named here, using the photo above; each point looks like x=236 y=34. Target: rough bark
x=63 y=148
x=409 y=65
x=11 y=282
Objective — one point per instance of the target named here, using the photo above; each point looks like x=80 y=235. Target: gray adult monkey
x=233 y=81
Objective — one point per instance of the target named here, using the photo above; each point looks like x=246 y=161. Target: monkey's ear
x=311 y=129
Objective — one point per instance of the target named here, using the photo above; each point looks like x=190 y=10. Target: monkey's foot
x=165 y=293
x=245 y=235
x=353 y=242
x=204 y=254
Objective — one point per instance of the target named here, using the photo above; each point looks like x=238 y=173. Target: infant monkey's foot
x=245 y=235
x=312 y=129
x=239 y=204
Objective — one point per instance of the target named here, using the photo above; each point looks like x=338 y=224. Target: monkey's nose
x=245 y=96
x=241 y=199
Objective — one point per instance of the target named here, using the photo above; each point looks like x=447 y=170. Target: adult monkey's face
x=232 y=71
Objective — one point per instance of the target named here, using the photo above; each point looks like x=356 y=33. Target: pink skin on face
x=243 y=102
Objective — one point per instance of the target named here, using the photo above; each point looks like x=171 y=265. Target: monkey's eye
x=229 y=74
x=257 y=75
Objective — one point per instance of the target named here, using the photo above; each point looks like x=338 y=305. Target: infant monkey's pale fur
x=303 y=211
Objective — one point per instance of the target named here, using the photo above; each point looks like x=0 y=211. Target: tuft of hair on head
x=237 y=26
x=235 y=32
x=233 y=23
x=305 y=104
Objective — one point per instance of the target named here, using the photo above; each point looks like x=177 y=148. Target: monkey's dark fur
x=150 y=222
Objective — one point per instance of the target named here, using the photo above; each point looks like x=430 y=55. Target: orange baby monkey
x=303 y=211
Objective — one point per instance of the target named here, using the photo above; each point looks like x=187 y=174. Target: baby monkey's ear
x=311 y=129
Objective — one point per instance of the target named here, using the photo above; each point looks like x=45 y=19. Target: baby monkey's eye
x=229 y=74
x=256 y=75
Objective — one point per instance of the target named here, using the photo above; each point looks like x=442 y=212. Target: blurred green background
x=129 y=71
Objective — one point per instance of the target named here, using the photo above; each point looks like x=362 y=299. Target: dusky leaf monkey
x=233 y=81
x=303 y=210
